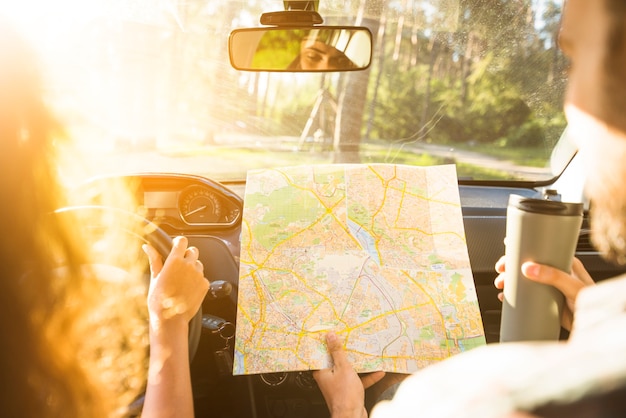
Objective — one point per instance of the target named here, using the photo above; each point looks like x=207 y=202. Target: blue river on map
x=365 y=239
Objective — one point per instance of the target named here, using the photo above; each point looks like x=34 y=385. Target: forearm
x=168 y=393
x=353 y=413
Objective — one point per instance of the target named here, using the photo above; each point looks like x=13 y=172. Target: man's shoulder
x=597 y=304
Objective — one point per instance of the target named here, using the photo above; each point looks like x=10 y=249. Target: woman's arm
x=177 y=289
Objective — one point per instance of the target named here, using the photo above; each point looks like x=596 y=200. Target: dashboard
x=183 y=202
x=209 y=213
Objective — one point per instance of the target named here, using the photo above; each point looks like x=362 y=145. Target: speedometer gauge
x=199 y=205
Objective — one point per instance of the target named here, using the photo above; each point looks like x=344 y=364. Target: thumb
x=335 y=348
x=154 y=258
x=564 y=282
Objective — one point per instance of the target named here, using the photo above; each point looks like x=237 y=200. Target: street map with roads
x=375 y=253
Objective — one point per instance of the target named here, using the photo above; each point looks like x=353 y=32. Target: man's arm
x=343 y=389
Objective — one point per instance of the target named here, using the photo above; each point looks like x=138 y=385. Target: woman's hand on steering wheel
x=177 y=287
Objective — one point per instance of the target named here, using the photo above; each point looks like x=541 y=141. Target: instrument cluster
x=181 y=202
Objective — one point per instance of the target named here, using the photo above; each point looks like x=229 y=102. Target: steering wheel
x=98 y=219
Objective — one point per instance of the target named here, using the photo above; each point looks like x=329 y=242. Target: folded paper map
x=375 y=253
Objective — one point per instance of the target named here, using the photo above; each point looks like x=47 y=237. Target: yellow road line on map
x=262 y=305
x=403 y=191
x=443 y=321
x=260 y=325
x=434 y=201
x=245 y=226
x=328 y=212
x=401 y=205
x=432 y=234
x=385 y=186
x=314 y=309
x=296 y=276
x=386 y=314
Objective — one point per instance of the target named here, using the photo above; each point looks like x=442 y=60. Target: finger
x=179 y=246
x=500 y=266
x=501 y=297
x=336 y=350
x=567 y=319
x=499 y=282
x=370 y=379
x=192 y=253
x=578 y=269
x=154 y=258
x=566 y=283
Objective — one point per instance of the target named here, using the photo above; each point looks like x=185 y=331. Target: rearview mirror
x=303 y=49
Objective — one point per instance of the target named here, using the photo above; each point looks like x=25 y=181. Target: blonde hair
x=68 y=337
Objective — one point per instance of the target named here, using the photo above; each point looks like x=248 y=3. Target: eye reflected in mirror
x=310 y=49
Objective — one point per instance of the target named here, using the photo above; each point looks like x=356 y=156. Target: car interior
x=295 y=394
x=191 y=180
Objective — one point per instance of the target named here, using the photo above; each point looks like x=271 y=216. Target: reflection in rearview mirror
x=310 y=49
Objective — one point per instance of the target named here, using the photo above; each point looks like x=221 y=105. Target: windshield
x=145 y=86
